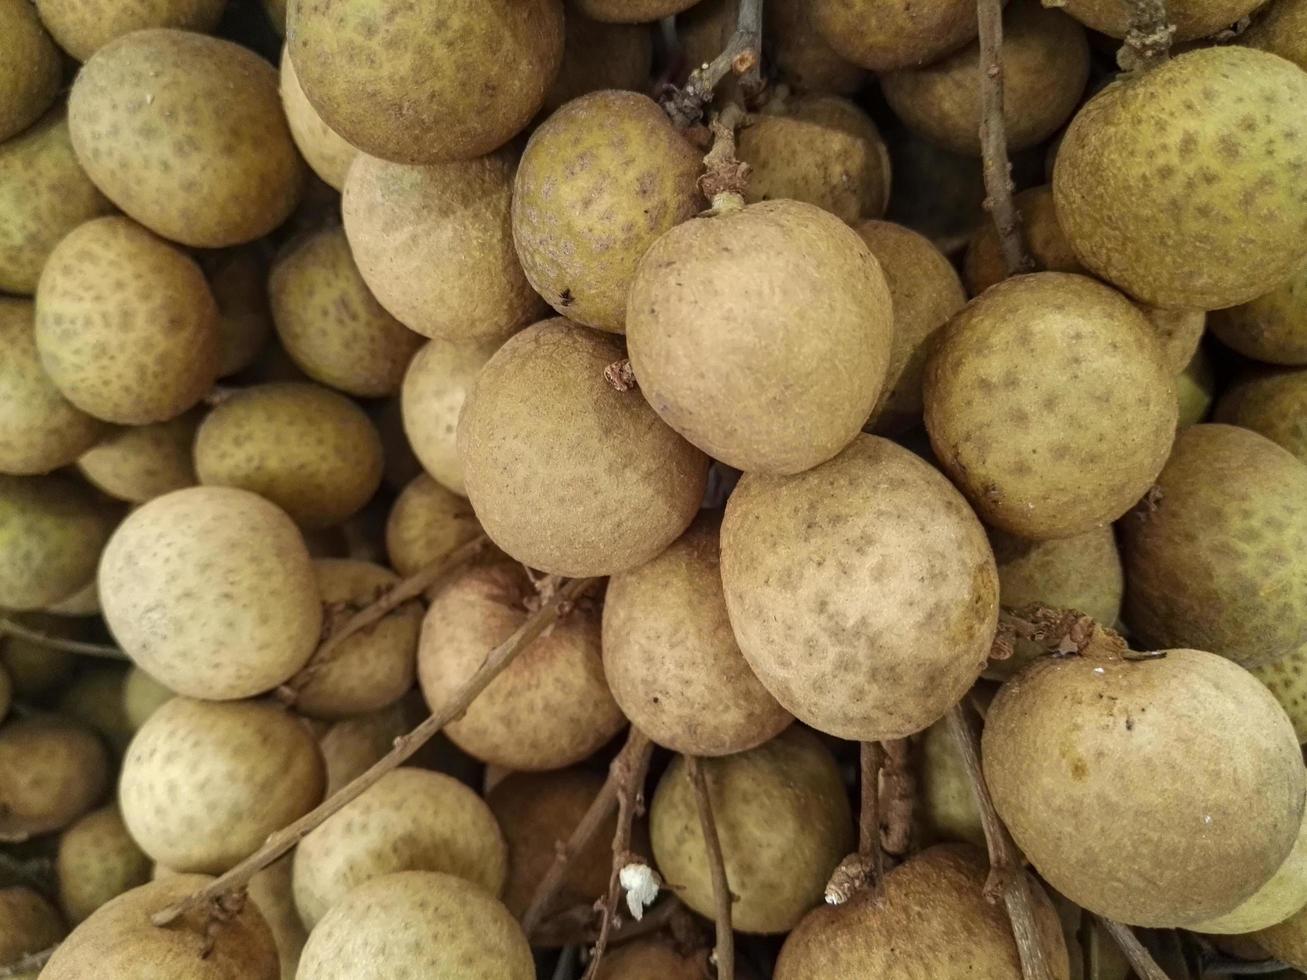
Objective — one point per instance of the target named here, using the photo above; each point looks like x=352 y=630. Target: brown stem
x=1141 y=961
x=283 y=840
x=724 y=177
x=1148 y=39
x=993 y=139
x=872 y=757
x=742 y=55
x=900 y=789
x=1007 y=873
x=576 y=925
x=630 y=772
x=725 y=949
x=601 y=808
x=8 y=626
x=28 y=963
x=404 y=591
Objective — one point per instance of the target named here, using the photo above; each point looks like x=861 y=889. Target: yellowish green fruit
x=270 y=891
x=30 y=69
x=1195 y=389
x=83 y=27
x=1283 y=895
x=97 y=862
x=140 y=462
x=1273 y=403
x=885 y=36
x=1287 y=680
x=436 y=385
x=426 y=523
x=324 y=150
x=1191 y=19
x=1271 y=327
x=1285 y=941
x=597 y=56
x=948 y=802
x=51 y=772
x=142 y=695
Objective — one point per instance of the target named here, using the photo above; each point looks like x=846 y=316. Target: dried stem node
x=742 y=56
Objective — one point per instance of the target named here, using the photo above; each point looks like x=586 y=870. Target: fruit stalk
x=283 y=840
x=1148 y=41
x=724 y=953
x=869 y=844
x=10 y=628
x=1141 y=961
x=900 y=797
x=742 y=55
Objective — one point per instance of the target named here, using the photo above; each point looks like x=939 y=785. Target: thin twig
x=8 y=626
x=286 y=838
x=1141 y=961
x=576 y=926
x=993 y=139
x=724 y=952
x=900 y=788
x=742 y=55
x=630 y=772
x=1148 y=39
x=401 y=592
x=1007 y=873
x=724 y=177
x=872 y=756
x=28 y=963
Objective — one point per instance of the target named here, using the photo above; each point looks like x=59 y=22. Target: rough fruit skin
x=1215 y=564
x=631 y=11
x=1272 y=403
x=599 y=56
x=97 y=862
x=137 y=463
x=783 y=821
x=1082 y=752
x=119 y=940
x=930 y=921
x=1191 y=18
x=924 y=292
x=82 y=27
x=1272 y=327
x=427 y=82
x=799 y=555
x=44 y=194
x=326 y=152
x=211 y=590
x=1280 y=28
x=567 y=474
x=600 y=180
x=549 y=708
x=126 y=325
x=1209 y=142
x=431 y=399
x=417 y=924
x=28 y=924
x=40 y=429
x=884 y=36
x=402 y=222
x=186 y=134
x=1049 y=402
x=51 y=772
x=30 y=69
x=410 y=820
x=1045 y=67
x=761 y=378
x=204 y=783
x=1048 y=247
x=671 y=659
x=52 y=530
x=427 y=522
x=1286 y=678
x=1283 y=895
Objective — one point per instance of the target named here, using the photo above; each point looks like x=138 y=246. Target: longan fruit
x=1195 y=389
x=803 y=57
x=83 y=27
x=51 y=772
x=435 y=387
x=28 y=924
x=1273 y=403
x=884 y=36
x=97 y=862
x=427 y=522
x=325 y=150
x=1277 y=900
x=34 y=669
x=947 y=805
x=597 y=56
x=95 y=698
x=270 y=891
x=140 y=462
x=1280 y=28
x=142 y=695
x=631 y=11
x=1191 y=19
x=30 y=69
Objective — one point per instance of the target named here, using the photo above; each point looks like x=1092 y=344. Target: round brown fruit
x=435 y=388
x=212 y=591
x=549 y=481
x=51 y=772
x=884 y=36
x=28 y=924
x=1280 y=28
x=1283 y=895
x=83 y=27
x=426 y=523
x=761 y=379
x=30 y=69
x=597 y=56
x=95 y=698
x=1272 y=327
x=797 y=556
x=631 y=11
x=325 y=151
x=661 y=957
x=140 y=462
x=186 y=134
x=97 y=862
x=1190 y=19
x=1273 y=403
x=805 y=60
x=1080 y=752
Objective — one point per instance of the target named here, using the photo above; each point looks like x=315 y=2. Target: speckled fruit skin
x=805 y=59
x=426 y=522
x=1081 y=573
x=212 y=591
x=884 y=36
x=1216 y=141
x=30 y=69
x=403 y=222
x=631 y=11
x=598 y=56
x=326 y=152
x=1271 y=327
x=51 y=532
x=119 y=940
x=418 y=924
x=1045 y=68
x=925 y=292
x=671 y=659
x=410 y=820
x=44 y=194
x=761 y=379
x=306 y=448
x=599 y=182
x=1048 y=400
x=823 y=150
x=126 y=325
x=97 y=862
x=40 y=429
x=431 y=399
x=1273 y=403
x=1081 y=752
x=1283 y=895
x=857 y=662
x=373 y=668
x=140 y=462
x=1280 y=28
x=537 y=812
x=1287 y=680
x=82 y=27
x=549 y=708
x=783 y=821
x=1215 y=564
x=1191 y=18
x=186 y=134
x=330 y=323
x=204 y=783
x=557 y=463
x=421 y=83
x=28 y=924
x=930 y=921
x=51 y=772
